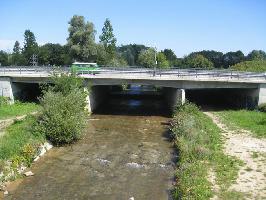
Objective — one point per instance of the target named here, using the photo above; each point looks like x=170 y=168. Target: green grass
x=253 y=121
x=17 y=139
x=8 y=111
x=199 y=143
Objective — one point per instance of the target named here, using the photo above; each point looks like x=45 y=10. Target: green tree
x=3 y=58
x=81 y=40
x=53 y=54
x=170 y=56
x=131 y=53
x=107 y=38
x=30 y=46
x=256 y=55
x=17 y=57
x=232 y=58
x=197 y=61
x=215 y=57
x=162 y=61
x=147 y=58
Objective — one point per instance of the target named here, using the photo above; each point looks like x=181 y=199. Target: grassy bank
x=16 y=109
x=253 y=121
x=199 y=143
x=18 y=147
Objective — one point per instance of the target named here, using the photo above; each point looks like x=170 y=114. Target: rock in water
x=29 y=173
x=131 y=198
x=6 y=192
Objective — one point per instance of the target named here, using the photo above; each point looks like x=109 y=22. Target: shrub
x=63 y=110
x=262 y=107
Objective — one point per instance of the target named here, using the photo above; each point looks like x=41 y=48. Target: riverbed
x=126 y=152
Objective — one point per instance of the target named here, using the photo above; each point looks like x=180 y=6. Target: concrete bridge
x=243 y=87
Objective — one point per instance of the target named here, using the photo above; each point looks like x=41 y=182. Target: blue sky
x=184 y=26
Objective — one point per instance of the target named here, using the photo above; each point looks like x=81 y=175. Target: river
x=126 y=152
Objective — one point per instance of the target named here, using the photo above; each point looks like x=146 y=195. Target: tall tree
x=30 y=45
x=17 y=58
x=81 y=40
x=107 y=38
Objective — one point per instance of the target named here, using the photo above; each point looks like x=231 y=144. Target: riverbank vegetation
x=18 y=108
x=251 y=120
x=63 y=114
x=199 y=144
x=82 y=46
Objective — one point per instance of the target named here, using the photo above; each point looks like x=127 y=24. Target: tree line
x=82 y=46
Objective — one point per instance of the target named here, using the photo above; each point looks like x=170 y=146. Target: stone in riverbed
x=131 y=198
x=6 y=192
x=29 y=173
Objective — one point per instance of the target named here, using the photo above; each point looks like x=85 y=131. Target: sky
x=181 y=25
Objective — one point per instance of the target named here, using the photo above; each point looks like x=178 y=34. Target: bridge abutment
x=7 y=88
x=262 y=94
x=173 y=96
x=96 y=97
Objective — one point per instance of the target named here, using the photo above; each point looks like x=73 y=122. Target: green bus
x=86 y=68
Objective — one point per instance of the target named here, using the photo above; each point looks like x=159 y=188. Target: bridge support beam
x=96 y=97
x=174 y=96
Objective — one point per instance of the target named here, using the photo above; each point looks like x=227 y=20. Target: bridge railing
x=176 y=72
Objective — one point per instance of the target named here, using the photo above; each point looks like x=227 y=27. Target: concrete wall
x=262 y=94
x=6 y=88
x=173 y=96
x=96 y=97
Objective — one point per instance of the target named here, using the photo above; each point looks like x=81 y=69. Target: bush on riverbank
x=199 y=146
x=63 y=116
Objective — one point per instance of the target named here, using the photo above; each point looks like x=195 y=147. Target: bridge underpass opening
x=26 y=92
x=223 y=98
x=135 y=100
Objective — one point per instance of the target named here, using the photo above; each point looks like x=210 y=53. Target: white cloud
x=7 y=45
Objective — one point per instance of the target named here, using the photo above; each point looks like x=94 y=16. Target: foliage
x=131 y=53
x=17 y=109
x=3 y=58
x=108 y=39
x=30 y=45
x=170 y=56
x=19 y=140
x=232 y=58
x=262 y=107
x=197 y=61
x=256 y=55
x=147 y=58
x=251 y=66
x=81 y=40
x=199 y=144
x=162 y=61
x=215 y=57
x=63 y=110
x=250 y=120
x=17 y=57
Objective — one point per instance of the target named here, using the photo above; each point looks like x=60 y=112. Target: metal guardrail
x=192 y=72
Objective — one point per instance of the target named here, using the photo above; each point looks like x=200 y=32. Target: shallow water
x=125 y=153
